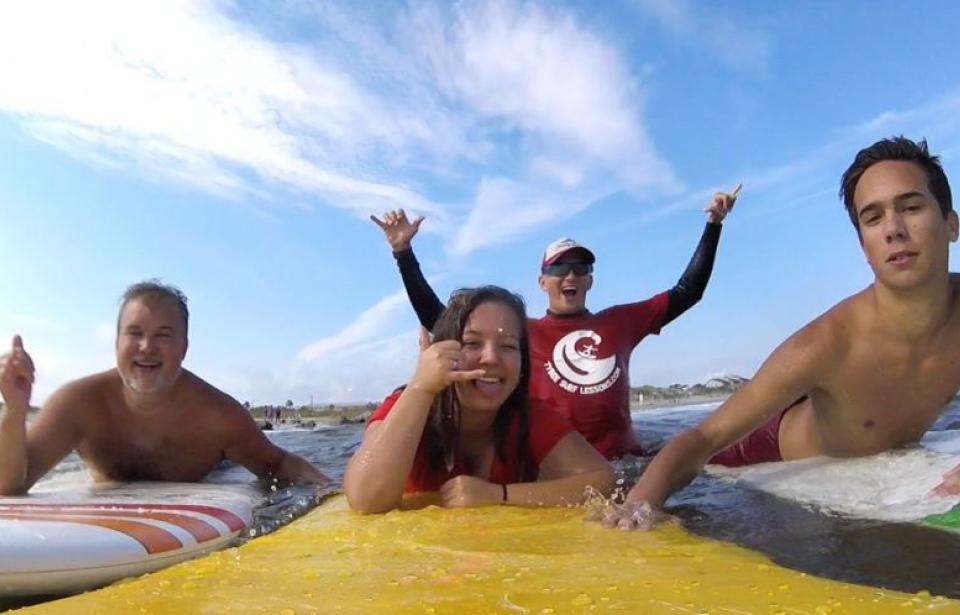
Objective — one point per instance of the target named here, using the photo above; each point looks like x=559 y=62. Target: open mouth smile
x=147 y=364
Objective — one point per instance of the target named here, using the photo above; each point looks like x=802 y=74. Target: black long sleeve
x=693 y=282
x=424 y=300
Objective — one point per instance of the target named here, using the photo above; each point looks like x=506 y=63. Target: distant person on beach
x=871 y=374
x=463 y=432
x=580 y=360
x=146 y=419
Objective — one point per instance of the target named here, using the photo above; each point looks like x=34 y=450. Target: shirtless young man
x=580 y=359
x=871 y=374
x=147 y=419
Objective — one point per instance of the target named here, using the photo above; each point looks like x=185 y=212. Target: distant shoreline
x=667 y=402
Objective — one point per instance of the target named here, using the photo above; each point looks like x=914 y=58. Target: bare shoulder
x=828 y=338
x=79 y=405
x=209 y=399
x=86 y=392
x=830 y=330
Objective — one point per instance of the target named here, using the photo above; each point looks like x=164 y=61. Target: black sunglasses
x=560 y=270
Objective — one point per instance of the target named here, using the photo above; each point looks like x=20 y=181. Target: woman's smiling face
x=491 y=341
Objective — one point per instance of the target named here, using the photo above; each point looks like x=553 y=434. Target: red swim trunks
x=762 y=444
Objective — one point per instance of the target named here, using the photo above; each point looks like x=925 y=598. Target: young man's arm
x=794 y=369
x=689 y=288
x=400 y=232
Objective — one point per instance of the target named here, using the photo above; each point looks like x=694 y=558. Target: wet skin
x=879 y=367
x=149 y=419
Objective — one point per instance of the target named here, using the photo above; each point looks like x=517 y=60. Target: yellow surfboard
x=487 y=560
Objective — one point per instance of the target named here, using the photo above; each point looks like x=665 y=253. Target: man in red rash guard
x=580 y=359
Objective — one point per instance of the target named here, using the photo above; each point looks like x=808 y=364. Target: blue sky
x=235 y=149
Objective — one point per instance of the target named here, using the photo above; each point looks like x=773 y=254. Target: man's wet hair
x=896 y=148
x=155 y=288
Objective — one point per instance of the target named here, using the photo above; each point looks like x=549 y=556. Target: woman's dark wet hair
x=443 y=424
x=896 y=148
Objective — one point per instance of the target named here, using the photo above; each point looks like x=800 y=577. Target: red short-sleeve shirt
x=580 y=366
x=547 y=428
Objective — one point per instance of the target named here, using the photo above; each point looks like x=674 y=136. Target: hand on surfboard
x=950 y=485
x=398 y=229
x=16 y=376
x=630 y=515
x=439 y=365
x=720 y=204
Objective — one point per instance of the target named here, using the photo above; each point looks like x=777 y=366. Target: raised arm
x=16 y=385
x=794 y=369
x=399 y=232
x=565 y=473
x=27 y=455
x=689 y=288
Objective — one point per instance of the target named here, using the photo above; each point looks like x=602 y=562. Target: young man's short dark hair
x=896 y=148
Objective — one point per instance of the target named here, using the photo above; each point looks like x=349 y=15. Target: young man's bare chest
x=885 y=394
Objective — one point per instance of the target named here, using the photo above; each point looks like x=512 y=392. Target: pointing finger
x=17 y=342
x=736 y=190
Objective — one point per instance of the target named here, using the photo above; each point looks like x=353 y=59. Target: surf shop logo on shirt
x=576 y=368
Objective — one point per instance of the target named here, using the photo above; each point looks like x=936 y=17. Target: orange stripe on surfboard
x=231 y=520
x=154 y=539
x=198 y=528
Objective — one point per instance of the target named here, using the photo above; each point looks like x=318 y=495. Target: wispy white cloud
x=379 y=111
x=366 y=371
x=505 y=210
x=542 y=72
x=369 y=324
x=738 y=45
x=179 y=89
x=814 y=174
x=937 y=118
x=562 y=93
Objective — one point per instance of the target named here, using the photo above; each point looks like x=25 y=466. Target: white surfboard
x=59 y=541
x=891 y=486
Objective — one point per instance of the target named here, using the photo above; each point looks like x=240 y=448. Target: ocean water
x=893 y=555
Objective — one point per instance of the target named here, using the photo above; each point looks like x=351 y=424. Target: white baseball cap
x=562 y=246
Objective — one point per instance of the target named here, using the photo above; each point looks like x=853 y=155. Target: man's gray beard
x=129 y=384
